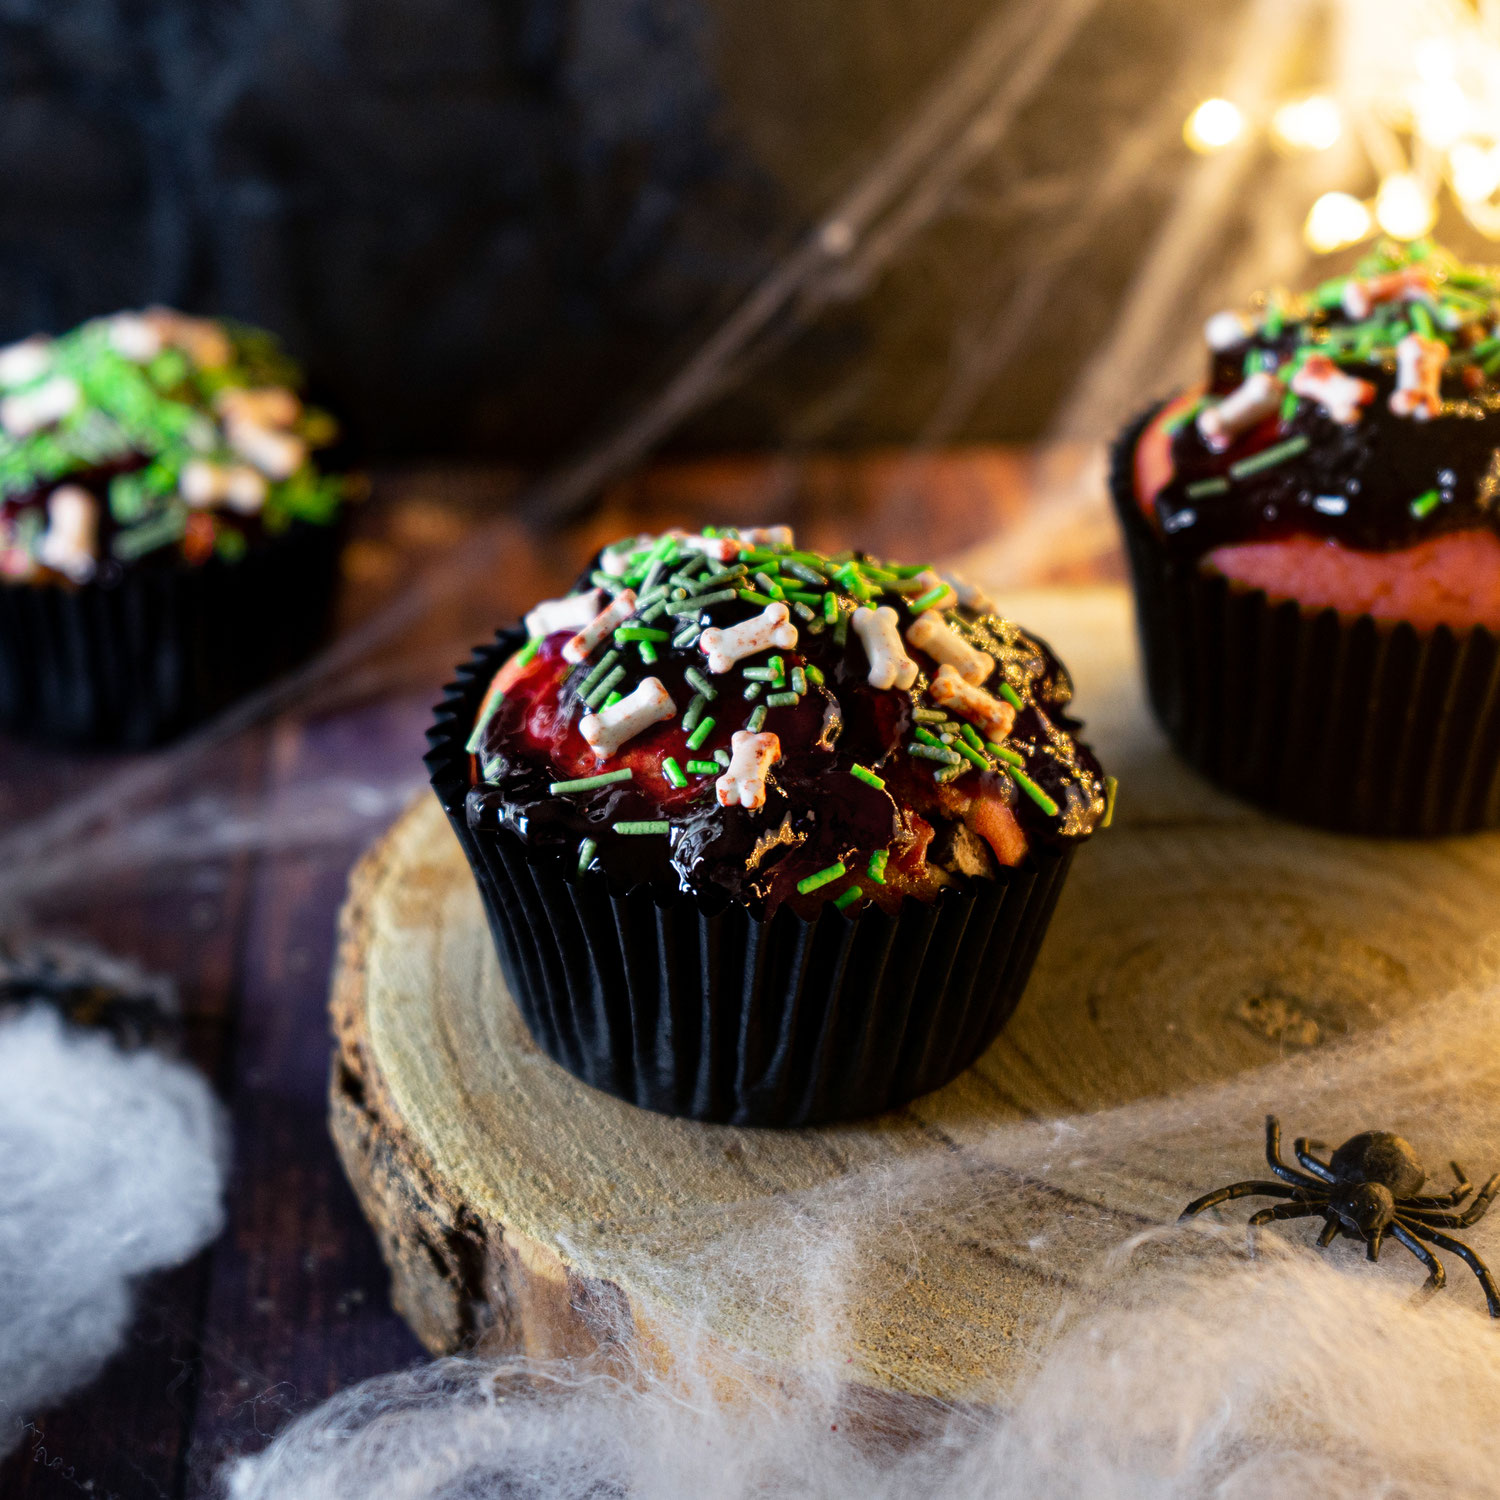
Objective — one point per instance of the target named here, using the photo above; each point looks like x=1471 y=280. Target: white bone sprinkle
x=878 y=632
x=265 y=406
x=70 y=543
x=26 y=411
x=277 y=454
x=970 y=595
x=238 y=486
x=1240 y=410
x=26 y=361
x=1339 y=394
x=1363 y=295
x=929 y=580
x=751 y=756
x=759 y=633
x=571 y=613
x=616 y=559
x=1419 y=377
x=134 y=337
x=1225 y=330
x=721 y=548
x=615 y=613
x=767 y=536
x=930 y=633
x=614 y=726
x=992 y=717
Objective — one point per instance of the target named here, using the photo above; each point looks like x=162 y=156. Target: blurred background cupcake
x=166 y=539
x=1315 y=540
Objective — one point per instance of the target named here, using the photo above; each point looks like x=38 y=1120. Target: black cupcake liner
x=129 y=663
x=1347 y=723
x=718 y=1015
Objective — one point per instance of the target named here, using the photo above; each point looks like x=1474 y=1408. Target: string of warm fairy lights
x=1417 y=84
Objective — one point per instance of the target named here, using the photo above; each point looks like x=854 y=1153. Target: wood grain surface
x=519 y=1209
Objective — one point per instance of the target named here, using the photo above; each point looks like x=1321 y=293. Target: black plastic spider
x=1368 y=1188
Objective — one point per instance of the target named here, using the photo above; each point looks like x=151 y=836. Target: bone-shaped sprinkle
x=721 y=548
x=70 y=542
x=615 y=560
x=1362 y=296
x=767 y=536
x=26 y=411
x=970 y=595
x=751 y=756
x=1339 y=394
x=1240 y=410
x=612 y=727
x=930 y=633
x=890 y=666
x=991 y=716
x=1225 y=330
x=238 y=486
x=615 y=613
x=26 y=361
x=1419 y=377
x=571 y=613
x=760 y=632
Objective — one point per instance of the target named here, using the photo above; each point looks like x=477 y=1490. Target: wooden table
x=291 y=1304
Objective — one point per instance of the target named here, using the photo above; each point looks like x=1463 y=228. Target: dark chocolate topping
x=1383 y=481
x=816 y=812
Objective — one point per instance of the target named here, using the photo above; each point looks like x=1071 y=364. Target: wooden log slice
x=1196 y=940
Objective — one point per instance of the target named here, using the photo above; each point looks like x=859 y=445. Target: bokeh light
x=1215 y=123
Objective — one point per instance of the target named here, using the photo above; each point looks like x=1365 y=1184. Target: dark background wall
x=489 y=225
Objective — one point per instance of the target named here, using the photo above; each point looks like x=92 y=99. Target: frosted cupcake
x=166 y=539
x=1315 y=541
x=765 y=835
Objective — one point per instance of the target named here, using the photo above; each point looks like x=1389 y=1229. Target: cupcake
x=166 y=541
x=765 y=836
x=1314 y=535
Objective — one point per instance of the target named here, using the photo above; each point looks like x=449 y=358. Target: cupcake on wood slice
x=765 y=836
x=167 y=541
x=1314 y=534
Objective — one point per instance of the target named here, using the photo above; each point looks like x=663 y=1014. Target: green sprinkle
x=750 y=596
x=1201 y=487
x=491 y=708
x=1275 y=321
x=799 y=681
x=759 y=674
x=1005 y=753
x=1289 y=404
x=831 y=608
x=589 y=783
x=768 y=585
x=1421 y=320
x=945 y=774
x=815 y=675
x=629 y=829
x=693 y=712
x=926 y=736
x=1111 y=787
x=586 y=851
x=778 y=669
x=1331 y=293
x=673 y=772
x=648 y=652
x=809 y=883
x=703 y=767
x=757 y=719
x=596 y=675
x=753 y=692
x=927 y=600
x=613 y=699
x=970 y=753
x=936 y=752
x=849 y=577
x=1484 y=348
x=841 y=630
x=1424 y=505
x=703 y=601
x=640 y=633
x=866 y=775
x=782 y=700
x=970 y=736
x=529 y=651
x=688 y=637
x=1035 y=792
x=878 y=861
x=608 y=582
x=652 y=611
x=722 y=757
x=603 y=687
x=1268 y=458
x=844 y=902
x=701 y=733
x=695 y=679
x=1011 y=696
x=802 y=571
x=929 y=716
x=803 y=612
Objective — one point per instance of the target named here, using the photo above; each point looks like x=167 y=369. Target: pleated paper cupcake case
x=1349 y=723
x=130 y=664
x=717 y=1015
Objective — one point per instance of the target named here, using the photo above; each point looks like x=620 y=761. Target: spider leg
x=1236 y=1190
x=1436 y=1276
x=1461 y=1220
x=1279 y=1167
x=1329 y=1234
x=1303 y=1149
x=1301 y=1210
x=1444 y=1200
x=1469 y=1258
